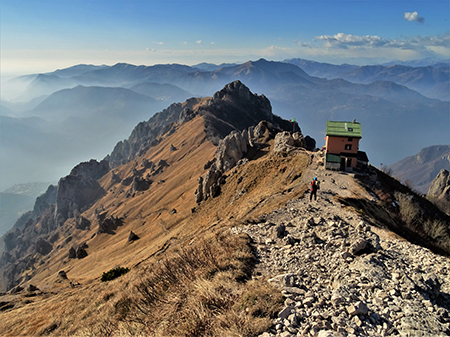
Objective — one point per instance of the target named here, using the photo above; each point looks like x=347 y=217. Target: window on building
x=348 y=146
x=350 y=139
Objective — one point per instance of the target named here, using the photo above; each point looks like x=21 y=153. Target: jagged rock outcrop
x=82 y=223
x=147 y=164
x=108 y=225
x=233 y=149
x=140 y=184
x=439 y=191
x=230 y=150
x=44 y=201
x=440 y=185
x=286 y=141
x=80 y=189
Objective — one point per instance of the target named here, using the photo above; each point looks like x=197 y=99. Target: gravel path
x=342 y=277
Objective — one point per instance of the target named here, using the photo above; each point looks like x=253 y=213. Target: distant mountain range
x=431 y=81
x=86 y=109
x=422 y=168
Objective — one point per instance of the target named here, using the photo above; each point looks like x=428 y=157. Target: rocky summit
x=201 y=224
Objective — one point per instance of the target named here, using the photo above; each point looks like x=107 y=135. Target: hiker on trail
x=315 y=185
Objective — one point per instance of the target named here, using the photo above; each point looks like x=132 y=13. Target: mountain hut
x=342 y=147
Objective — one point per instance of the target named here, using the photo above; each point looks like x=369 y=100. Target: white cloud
x=354 y=42
x=413 y=16
x=345 y=41
x=199 y=42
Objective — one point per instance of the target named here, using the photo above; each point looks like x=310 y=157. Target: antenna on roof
x=354 y=121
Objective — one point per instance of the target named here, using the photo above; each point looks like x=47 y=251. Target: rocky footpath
x=342 y=277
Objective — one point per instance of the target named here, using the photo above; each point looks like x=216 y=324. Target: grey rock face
x=440 y=185
x=439 y=191
x=230 y=150
x=80 y=189
x=44 y=201
x=286 y=141
x=232 y=108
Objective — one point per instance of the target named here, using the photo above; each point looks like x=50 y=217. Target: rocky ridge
x=232 y=109
x=340 y=276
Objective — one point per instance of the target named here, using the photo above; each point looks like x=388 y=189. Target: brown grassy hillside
x=92 y=307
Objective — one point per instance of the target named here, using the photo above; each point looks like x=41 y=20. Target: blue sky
x=40 y=36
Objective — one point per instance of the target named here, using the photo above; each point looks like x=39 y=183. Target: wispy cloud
x=199 y=42
x=347 y=41
x=302 y=44
x=414 y=16
x=342 y=40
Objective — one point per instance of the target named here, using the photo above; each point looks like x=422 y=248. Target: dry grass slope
x=188 y=276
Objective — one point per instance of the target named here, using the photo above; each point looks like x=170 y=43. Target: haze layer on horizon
x=42 y=36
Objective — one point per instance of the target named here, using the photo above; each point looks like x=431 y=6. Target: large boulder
x=132 y=237
x=81 y=252
x=72 y=253
x=108 y=225
x=140 y=184
x=43 y=247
